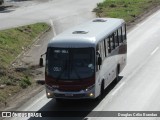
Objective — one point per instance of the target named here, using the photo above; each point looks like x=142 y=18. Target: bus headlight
x=89 y=88
x=48 y=94
x=91 y=94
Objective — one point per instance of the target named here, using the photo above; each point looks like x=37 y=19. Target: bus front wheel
x=100 y=97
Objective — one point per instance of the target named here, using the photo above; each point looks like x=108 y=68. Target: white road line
x=51 y=22
x=155 y=50
x=144 y=22
x=118 y=88
x=34 y=103
x=108 y=98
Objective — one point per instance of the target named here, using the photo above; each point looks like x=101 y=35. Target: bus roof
x=87 y=34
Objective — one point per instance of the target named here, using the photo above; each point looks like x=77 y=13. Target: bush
x=5 y=80
x=113 y=5
x=8 y=82
x=25 y=82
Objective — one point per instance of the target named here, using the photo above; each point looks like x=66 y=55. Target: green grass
x=126 y=9
x=12 y=43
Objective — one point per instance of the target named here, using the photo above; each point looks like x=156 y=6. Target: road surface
x=139 y=87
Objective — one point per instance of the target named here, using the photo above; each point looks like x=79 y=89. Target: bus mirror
x=99 y=60
x=41 y=62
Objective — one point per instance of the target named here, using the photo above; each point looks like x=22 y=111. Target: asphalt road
x=139 y=87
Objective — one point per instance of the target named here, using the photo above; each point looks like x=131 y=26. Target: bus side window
x=109 y=45
x=124 y=32
x=120 y=35
x=103 y=50
x=97 y=48
x=97 y=54
x=112 y=42
x=116 y=39
x=105 y=47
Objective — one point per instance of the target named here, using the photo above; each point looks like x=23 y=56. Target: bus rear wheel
x=117 y=73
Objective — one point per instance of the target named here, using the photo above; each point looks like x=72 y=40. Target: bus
x=1 y=2
x=82 y=61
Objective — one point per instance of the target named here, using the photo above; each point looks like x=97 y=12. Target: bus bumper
x=88 y=93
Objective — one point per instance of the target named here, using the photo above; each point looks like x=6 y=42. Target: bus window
x=116 y=39
x=124 y=32
x=120 y=35
x=97 y=48
x=98 y=54
x=109 y=45
x=102 y=50
x=112 y=42
x=105 y=47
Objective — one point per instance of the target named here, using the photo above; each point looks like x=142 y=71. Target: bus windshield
x=70 y=63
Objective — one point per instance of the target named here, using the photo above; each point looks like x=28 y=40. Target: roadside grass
x=126 y=9
x=12 y=43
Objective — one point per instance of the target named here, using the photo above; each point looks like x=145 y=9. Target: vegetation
x=12 y=43
x=25 y=82
x=126 y=9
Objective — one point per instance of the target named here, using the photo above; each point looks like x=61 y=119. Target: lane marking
x=108 y=98
x=117 y=89
x=34 y=103
x=52 y=25
x=143 y=22
x=155 y=50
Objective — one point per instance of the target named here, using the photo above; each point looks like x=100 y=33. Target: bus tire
x=100 y=97
x=117 y=73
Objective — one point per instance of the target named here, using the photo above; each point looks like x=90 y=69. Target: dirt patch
x=20 y=98
x=11 y=79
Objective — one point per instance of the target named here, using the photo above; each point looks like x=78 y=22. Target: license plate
x=68 y=94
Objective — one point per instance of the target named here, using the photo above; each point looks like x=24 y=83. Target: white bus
x=81 y=62
x=1 y=2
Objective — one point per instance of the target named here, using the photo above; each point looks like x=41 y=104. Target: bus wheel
x=117 y=74
x=100 y=97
